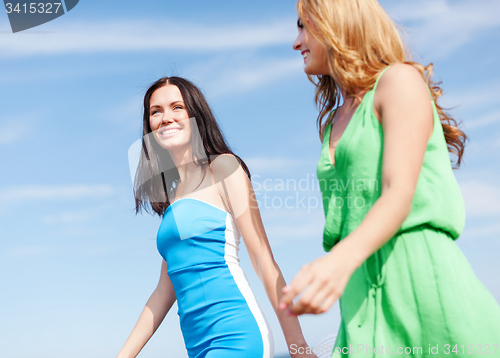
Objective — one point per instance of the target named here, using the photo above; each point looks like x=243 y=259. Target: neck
x=350 y=101
x=183 y=160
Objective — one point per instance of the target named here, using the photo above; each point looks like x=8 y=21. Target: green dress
x=417 y=296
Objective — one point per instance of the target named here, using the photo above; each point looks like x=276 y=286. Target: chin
x=170 y=145
x=315 y=69
x=173 y=142
x=175 y=145
x=311 y=72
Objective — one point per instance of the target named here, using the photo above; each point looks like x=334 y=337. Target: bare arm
x=157 y=307
x=241 y=199
x=403 y=103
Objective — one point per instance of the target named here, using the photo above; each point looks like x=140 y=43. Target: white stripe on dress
x=231 y=248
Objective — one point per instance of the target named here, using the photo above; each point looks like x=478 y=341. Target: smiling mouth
x=165 y=133
x=305 y=54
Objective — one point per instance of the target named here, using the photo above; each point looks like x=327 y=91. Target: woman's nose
x=167 y=118
x=296 y=45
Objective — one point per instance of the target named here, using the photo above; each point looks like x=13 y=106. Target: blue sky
x=77 y=265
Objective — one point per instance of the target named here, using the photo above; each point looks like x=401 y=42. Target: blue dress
x=218 y=313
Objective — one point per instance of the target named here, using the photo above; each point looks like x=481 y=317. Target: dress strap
x=379 y=76
x=326 y=131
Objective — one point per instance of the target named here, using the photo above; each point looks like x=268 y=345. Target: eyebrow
x=175 y=102
x=171 y=104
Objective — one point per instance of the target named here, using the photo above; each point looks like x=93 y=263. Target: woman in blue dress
x=188 y=175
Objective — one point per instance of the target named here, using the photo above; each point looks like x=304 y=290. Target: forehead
x=166 y=94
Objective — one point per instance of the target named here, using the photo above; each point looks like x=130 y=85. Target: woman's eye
x=178 y=107
x=154 y=112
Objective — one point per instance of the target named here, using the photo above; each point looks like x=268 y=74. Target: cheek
x=154 y=123
x=186 y=123
x=187 y=131
x=319 y=54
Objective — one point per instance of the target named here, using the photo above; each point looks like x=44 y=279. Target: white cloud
x=67 y=218
x=472 y=97
x=12 y=131
x=484 y=121
x=113 y=247
x=39 y=192
x=85 y=37
x=481 y=199
x=126 y=114
x=481 y=232
x=436 y=26
x=476 y=106
x=285 y=225
x=258 y=73
x=442 y=26
x=26 y=251
x=32 y=74
x=260 y=165
x=296 y=230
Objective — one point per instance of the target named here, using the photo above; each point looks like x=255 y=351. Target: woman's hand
x=322 y=281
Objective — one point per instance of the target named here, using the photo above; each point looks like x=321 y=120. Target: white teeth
x=305 y=54
x=169 y=131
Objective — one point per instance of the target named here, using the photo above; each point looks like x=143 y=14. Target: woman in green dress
x=392 y=205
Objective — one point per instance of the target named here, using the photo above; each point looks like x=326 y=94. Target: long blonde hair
x=360 y=41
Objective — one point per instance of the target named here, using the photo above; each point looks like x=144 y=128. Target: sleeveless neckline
x=347 y=128
x=355 y=179
x=341 y=137
x=201 y=201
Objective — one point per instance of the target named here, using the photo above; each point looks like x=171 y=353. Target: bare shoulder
x=401 y=76
x=400 y=83
x=231 y=182
x=225 y=165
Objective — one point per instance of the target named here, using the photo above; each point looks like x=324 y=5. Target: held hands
x=321 y=282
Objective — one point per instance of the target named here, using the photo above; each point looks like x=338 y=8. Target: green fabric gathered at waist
x=352 y=186
x=417 y=296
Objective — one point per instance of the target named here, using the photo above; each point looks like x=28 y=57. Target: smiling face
x=169 y=119
x=313 y=51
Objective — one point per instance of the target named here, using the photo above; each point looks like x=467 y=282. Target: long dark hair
x=157 y=174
